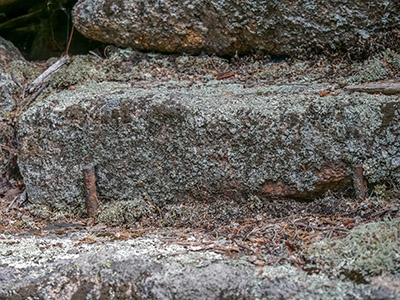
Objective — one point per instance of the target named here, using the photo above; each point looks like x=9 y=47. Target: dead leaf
x=290 y=247
x=225 y=75
x=324 y=93
x=86 y=240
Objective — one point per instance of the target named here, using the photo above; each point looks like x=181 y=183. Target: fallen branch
x=385 y=211
x=36 y=94
x=387 y=88
x=42 y=79
x=17 y=201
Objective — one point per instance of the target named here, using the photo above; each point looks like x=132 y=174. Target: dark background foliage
x=41 y=29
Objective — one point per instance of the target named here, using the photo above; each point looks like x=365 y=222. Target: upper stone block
x=226 y=27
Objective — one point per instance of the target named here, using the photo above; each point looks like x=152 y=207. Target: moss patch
x=369 y=250
x=383 y=65
x=125 y=212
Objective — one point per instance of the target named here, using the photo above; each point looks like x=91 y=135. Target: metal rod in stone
x=92 y=202
x=359 y=182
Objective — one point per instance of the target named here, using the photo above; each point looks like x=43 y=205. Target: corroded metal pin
x=92 y=202
x=359 y=182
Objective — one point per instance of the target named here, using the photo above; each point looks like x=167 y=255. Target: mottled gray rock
x=183 y=143
x=65 y=267
x=10 y=81
x=226 y=27
x=143 y=268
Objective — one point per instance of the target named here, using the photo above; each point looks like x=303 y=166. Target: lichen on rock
x=381 y=66
x=369 y=250
x=227 y=27
x=180 y=142
x=125 y=212
x=14 y=71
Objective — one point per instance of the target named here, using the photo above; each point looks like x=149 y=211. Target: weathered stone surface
x=8 y=84
x=66 y=267
x=12 y=66
x=184 y=142
x=226 y=27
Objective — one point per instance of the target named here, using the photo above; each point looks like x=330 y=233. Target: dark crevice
x=41 y=29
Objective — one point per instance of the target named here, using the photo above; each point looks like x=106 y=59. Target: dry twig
x=387 y=88
x=40 y=82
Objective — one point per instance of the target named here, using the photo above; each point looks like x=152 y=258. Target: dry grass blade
x=9 y=149
x=387 y=88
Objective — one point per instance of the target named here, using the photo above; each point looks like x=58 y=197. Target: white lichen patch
x=39 y=251
x=23 y=252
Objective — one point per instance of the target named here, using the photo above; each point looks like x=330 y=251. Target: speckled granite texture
x=179 y=142
x=227 y=27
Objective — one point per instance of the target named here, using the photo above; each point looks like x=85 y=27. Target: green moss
x=23 y=70
x=369 y=250
x=125 y=212
x=255 y=203
x=40 y=210
x=4 y=115
x=381 y=66
x=385 y=193
x=380 y=197
x=26 y=224
x=57 y=210
x=393 y=58
x=176 y=214
x=81 y=69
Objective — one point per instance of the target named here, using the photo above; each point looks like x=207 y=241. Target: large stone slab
x=184 y=142
x=13 y=72
x=9 y=55
x=227 y=27
x=84 y=266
